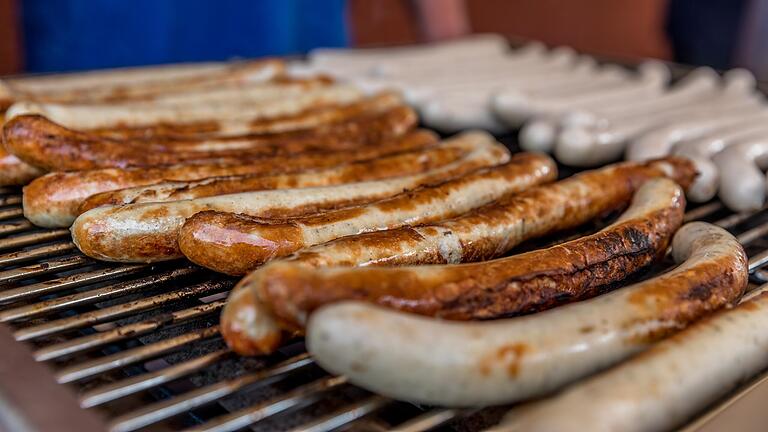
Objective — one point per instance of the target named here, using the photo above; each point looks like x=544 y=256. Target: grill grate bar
x=33 y=238
x=753 y=234
x=11 y=212
x=431 y=419
x=346 y=415
x=300 y=397
x=196 y=398
x=15 y=227
x=121 y=310
x=90 y=368
x=110 y=392
x=124 y=332
x=9 y=199
x=8 y=190
x=61 y=284
x=41 y=252
x=53 y=266
x=703 y=211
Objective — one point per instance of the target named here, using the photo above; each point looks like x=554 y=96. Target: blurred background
x=63 y=35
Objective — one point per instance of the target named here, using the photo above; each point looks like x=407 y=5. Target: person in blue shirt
x=63 y=35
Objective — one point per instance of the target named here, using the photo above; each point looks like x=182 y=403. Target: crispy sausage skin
x=483 y=233
x=282 y=294
x=44 y=144
x=149 y=232
x=453 y=363
x=53 y=199
x=390 y=166
x=494 y=229
x=664 y=386
x=208 y=237
x=14 y=171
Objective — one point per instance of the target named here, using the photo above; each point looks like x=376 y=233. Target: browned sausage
x=390 y=166
x=149 y=232
x=53 y=200
x=308 y=119
x=211 y=238
x=13 y=171
x=523 y=283
x=46 y=145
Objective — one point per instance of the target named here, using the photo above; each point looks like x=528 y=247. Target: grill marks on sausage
x=491 y=230
x=522 y=170
x=392 y=166
x=45 y=144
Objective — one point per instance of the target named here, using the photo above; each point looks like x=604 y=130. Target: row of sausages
x=364 y=233
x=583 y=113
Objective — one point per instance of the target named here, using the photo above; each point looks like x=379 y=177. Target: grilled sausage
x=700 y=151
x=99 y=116
x=148 y=232
x=391 y=166
x=494 y=229
x=304 y=120
x=14 y=171
x=46 y=145
x=286 y=291
x=664 y=386
x=742 y=182
x=53 y=200
x=476 y=364
x=141 y=82
x=256 y=241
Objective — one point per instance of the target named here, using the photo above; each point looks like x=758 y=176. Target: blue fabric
x=62 y=35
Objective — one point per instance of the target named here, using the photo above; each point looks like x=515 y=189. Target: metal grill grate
x=140 y=343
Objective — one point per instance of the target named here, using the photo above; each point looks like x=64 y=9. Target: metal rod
x=33 y=238
x=11 y=212
x=168 y=408
x=300 y=397
x=344 y=416
x=430 y=420
x=15 y=227
x=104 y=364
x=53 y=266
x=120 y=310
x=61 y=284
x=46 y=251
x=702 y=211
x=758 y=260
x=124 y=332
x=119 y=389
x=735 y=219
x=9 y=199
x=751 y=235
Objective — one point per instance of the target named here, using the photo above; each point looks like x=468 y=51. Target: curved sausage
x=659 y=142
x=664 y=386
x=287 y=291
x=700 y=152
x=52 y=147
x=99 y=116
x=149 y=232
x=698 y=96
x=141 y=82
x=14 y=171
x=436 y=362
x=208 y=236
x=742 y=181
x=390 y=166
x=53 y=200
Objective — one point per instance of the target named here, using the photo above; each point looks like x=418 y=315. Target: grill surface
x=140 y=346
